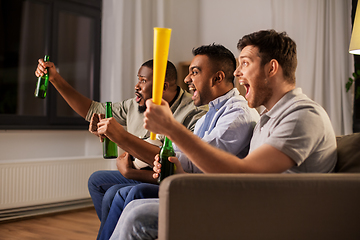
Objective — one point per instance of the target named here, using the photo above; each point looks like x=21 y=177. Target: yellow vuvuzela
x=161 y=52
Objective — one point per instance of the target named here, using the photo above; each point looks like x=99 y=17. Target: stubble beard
x=142 y=108
x=261 y=96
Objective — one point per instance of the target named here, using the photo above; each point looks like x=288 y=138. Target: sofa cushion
x=348 y=148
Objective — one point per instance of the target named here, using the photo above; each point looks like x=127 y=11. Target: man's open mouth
x=246 y=86
x=138 y=97
x=193 y=90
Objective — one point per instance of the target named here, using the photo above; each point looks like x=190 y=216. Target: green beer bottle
x=109 y=147
x=167 y=167
x=42 y=83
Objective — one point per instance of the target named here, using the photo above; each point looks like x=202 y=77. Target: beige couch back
x=348 y=147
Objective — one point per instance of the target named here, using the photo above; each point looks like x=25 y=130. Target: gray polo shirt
x=301 y=129
x=127 y=114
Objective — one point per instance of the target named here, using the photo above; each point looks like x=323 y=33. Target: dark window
x=69 y=32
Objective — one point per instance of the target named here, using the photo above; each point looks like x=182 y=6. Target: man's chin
x=198 y=104
x=142 y=108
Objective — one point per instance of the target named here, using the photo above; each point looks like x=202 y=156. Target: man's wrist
x=55 y=78
x=172 y=130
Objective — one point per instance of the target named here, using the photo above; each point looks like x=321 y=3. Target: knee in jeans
x=140 y=189
x=93 y=177
x=108 y=198
x=144 y=190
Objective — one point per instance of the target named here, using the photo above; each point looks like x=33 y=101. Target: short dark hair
x=273 y=45
x=222 y=58
x=171 y=73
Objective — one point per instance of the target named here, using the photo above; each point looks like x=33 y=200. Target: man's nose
x=137 y=86
x=187 y=79
x=237 y=72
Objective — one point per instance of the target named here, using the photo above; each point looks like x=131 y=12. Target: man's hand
x=110 y=128
x=124 y=164
x=93 y=126
x=158 y=118
x=157 y=166
x=41 y=69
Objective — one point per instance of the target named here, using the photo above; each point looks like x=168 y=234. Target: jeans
x=103 y=186
x=99 y=182
x=124 y=196
x=139 y=220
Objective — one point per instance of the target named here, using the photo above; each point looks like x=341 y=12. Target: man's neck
x=221 y=92
x=278 y=94
x=172 y=96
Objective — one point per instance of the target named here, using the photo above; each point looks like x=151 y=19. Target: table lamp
x=355 y=36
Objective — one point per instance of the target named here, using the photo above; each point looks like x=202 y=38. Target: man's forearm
x=138 y=148
x=78 y=102
x=141 y=175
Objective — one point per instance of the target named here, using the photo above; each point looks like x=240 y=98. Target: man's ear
x=166 y=86
x=273 y=67
x=219 y=76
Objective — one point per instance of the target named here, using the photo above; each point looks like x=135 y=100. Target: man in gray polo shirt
x=294 y=134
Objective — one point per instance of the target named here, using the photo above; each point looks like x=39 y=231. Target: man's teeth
x=191 y=88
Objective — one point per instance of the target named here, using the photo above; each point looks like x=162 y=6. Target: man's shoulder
x=238 y=99
x=126 y=104
x=296 y=103
x=304 y=108
x=238 y=102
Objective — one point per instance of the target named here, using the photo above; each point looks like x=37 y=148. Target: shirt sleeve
x=186 y=164
x=192 y=117
x=119 y=109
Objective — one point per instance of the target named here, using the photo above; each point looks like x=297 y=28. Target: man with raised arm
x=129 y=114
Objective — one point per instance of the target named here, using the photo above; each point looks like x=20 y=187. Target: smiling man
x=293 y=135
x=228 y=125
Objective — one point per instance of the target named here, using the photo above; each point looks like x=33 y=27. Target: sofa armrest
x=260 y=206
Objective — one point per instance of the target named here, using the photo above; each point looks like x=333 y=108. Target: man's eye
x=245 y=64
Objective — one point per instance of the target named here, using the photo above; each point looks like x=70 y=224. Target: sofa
x=265 y=206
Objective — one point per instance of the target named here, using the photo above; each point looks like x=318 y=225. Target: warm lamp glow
x=355 y=36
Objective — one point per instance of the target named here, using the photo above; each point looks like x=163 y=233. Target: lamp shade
x=355 y=36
